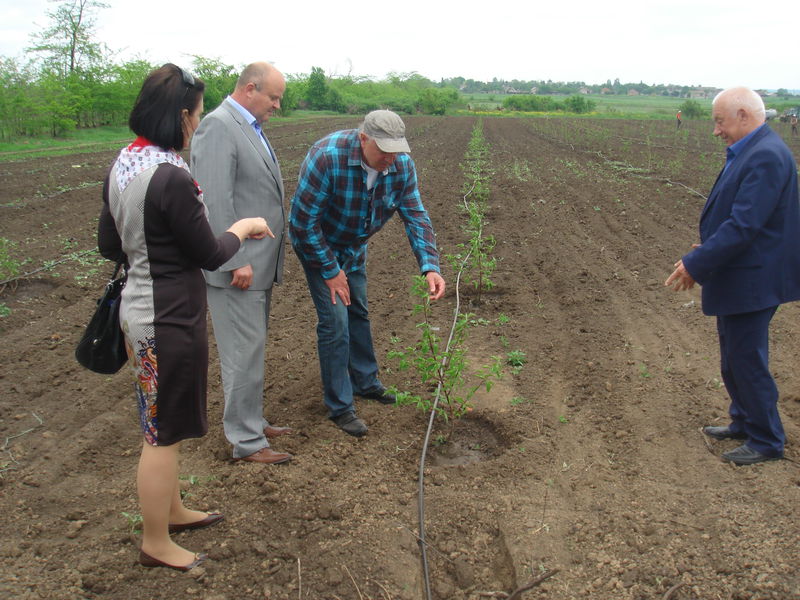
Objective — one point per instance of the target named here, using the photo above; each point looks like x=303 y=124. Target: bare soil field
x=587 y=464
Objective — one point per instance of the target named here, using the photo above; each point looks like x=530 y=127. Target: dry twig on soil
x=383 y=590
x=708 y=444
x=672 y=590
x=354 y=582
x=517 y=593
x=8 y=466
x=669 y=181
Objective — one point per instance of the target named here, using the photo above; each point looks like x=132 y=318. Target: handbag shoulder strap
x=120 y=265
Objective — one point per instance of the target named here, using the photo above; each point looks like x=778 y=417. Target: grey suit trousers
x=241 y=321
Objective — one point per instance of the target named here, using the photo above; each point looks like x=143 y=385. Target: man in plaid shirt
x=351 y=183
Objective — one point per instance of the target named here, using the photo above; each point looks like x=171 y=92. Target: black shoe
x=351 y=424
x=380 y=394
x=745 y=455
x=724 y=433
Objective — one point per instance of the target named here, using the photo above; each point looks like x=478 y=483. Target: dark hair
x=156 y=114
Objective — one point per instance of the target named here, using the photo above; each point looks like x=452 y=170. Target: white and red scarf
x=140 y=156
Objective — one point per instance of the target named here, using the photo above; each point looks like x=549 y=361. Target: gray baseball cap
x=387 y=129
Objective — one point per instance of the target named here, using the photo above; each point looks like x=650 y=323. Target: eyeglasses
x=187 y=77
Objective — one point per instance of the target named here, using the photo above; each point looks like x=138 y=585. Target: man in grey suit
x=240 y=177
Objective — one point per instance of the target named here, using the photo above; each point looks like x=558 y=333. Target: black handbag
x=102 y=347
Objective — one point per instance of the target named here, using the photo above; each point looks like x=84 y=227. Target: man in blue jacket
x=748 y=263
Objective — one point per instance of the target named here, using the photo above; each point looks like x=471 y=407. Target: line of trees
x=70 y=81
x=38 y=100
x=566 y=88
x=401 y=92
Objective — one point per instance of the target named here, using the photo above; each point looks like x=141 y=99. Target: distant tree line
x=563 y=88
x=402 y=92
x=36 y=100
x=69 y=80
x=567 y=88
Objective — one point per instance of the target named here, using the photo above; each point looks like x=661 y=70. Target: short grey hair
x=254 y=73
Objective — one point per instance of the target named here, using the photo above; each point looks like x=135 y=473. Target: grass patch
x=79 y=137
x=651 y=106
x=100 y=139
x=608 y=106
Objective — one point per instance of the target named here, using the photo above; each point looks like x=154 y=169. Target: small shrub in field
x=691 y=109
x=516 y=358
x=9 y=266
x=440 y=365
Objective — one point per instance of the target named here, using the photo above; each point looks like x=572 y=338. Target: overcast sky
x=691 y=42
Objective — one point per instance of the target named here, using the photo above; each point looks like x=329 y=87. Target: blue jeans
x=344 y=341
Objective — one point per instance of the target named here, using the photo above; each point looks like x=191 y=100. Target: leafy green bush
x=317 y=90
x=220 y=79
x=9 y=266
x=691 y=109
x=531 y=103
x=579 y=104
x=433 y=101
x=534 y=103
x=291 y=98
x=442 y=364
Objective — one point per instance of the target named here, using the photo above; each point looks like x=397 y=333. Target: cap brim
x=392 y=145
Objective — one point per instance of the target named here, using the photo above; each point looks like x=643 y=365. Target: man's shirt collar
x=244 y=112
x=736 y=147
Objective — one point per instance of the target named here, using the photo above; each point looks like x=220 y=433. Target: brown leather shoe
x=268 y=456
x=273 y=432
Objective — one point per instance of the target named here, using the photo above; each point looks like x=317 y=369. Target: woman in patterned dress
x=154 y=218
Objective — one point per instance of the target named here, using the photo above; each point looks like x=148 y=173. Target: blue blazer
x=749 y=258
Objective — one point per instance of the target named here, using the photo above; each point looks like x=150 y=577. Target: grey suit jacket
x=239 y=179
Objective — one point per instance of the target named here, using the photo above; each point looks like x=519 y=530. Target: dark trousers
x=744 y=352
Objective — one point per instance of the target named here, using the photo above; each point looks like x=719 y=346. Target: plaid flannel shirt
x=333 y=214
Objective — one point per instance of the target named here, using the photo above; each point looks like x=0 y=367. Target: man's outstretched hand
x=436 y=285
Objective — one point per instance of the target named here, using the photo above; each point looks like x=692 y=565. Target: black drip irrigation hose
x=421 y=475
